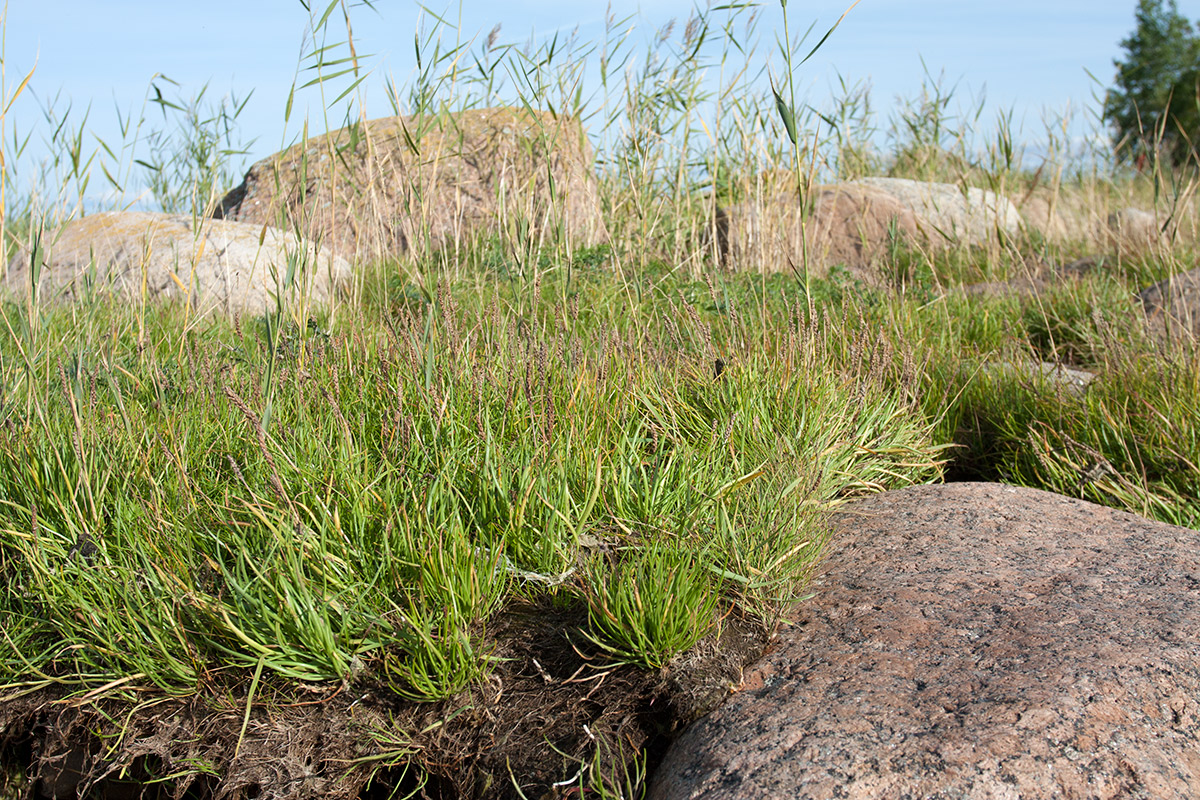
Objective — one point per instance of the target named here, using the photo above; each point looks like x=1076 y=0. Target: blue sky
x=1031 y=56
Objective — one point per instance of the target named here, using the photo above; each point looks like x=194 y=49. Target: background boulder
x=963 y=215
x=235 y=268
x=852 y=226
x=857 y=224
x=389 y=186
x=1172 y=306
x=1042 y=214
x=1134 y=231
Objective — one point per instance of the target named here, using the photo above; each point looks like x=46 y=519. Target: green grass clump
x=657 y=603
x=1128 y=440
x=359 y=503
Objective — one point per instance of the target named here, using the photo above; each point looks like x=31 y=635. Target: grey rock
x=1172 y=306
x=967 y=215
x=971 y=641
x=1056 y=376
x=215 y=265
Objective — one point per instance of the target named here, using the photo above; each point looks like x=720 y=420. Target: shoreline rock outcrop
x=232 y=267
x=971 y=640
x=857 y=224
x=396 y=185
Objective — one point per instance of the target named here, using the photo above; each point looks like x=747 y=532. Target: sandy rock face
x=1042 y=215
x=230 y=267
x=1064 y=217
x=972 y=641
x=970 y=216
x=854 y=224
x=1172 y=306
x=393 y=185
x=849 y=225
x=1133 y=231
x=1127 y=232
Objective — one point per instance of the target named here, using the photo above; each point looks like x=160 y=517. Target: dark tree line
x=1153 y=108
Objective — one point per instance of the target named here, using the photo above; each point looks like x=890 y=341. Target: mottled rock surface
x=396 y=185
x=1072 y=218
x=961 y=215
x=231 y=267
x=1133 y=231
x=1063 y=216
x=1172 y=306
x=851 y=226
x=1071 y=381
x=972 y=641
x=856 y=224
x=1042 y=214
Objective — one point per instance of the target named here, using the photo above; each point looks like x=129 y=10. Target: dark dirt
x=548 y=706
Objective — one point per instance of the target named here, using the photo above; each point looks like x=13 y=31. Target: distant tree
x=1154 y=105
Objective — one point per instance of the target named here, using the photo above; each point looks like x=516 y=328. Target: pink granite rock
x=1172 y=306
x=855 y=224
x=393 y=186
x=1133 y=232
x=972 y=641
x=850 y=225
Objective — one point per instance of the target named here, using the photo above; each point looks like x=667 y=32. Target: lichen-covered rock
x=231 y=267
x=1052 y=376
x=397 y=185
x=1172 y=306
x=971 y=641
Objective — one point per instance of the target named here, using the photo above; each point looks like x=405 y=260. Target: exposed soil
x=548 y=707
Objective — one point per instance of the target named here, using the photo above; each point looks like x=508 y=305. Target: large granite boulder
x=1074 y=217
x=231 y=267
x=971 y=641
x=1172 y=306
x=857 y=225
x=852 y=226
x=1063 y=216
x=959 y=215
x=396 y=185
x=1133 y=232
x=1041 y=213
